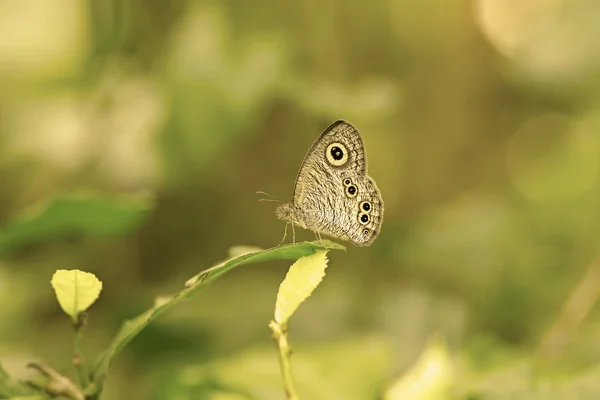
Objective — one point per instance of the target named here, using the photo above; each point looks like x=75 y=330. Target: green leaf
x=287 y=252
x=75 y=290
x=302 y=278
x=131 y=328
x=74 y=214
x=431 y=377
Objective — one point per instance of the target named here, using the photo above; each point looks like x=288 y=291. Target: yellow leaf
x=302 y=278
x=429 y=379
x=75 y=290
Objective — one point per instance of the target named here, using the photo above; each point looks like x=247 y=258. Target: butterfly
x=333 y=195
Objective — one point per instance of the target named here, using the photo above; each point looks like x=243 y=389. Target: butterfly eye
x=351 y=191
x=365 y=206
x=336 y=154
x=363 y=218
x=347 y=182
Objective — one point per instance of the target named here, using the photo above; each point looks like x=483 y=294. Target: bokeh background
x=481 y=121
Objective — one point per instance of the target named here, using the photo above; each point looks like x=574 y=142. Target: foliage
x=134 y=136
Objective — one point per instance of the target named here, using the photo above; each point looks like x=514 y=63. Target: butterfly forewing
x=316 y=165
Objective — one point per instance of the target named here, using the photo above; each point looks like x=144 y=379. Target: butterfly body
x=333 y=194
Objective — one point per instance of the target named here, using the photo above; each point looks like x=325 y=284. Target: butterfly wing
x=316 y=162
x=333 y=185
x=368 y=217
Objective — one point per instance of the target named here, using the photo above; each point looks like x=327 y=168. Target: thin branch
x=280 y=337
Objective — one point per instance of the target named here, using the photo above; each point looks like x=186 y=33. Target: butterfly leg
x=284 y=235
x=318 y=235
x=293 y=234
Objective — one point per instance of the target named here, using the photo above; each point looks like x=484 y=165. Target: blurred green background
x=481 y=121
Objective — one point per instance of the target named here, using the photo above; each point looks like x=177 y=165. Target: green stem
x=280 y=337
x=77 y=354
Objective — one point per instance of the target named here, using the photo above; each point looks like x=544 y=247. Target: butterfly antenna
x=272 y=198
x=266 y=194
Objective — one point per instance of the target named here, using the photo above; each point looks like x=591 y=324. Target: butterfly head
x=285 y=212
x=290 y=213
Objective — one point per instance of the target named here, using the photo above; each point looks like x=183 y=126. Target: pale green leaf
x=302 y=278
x=429 y=379
x=75 y=290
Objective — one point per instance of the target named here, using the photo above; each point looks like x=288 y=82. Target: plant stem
x=280 y=337
x=77 y=354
